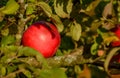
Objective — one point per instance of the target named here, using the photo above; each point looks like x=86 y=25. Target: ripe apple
x=116 y=30
x=43 y=37
x=116 y=58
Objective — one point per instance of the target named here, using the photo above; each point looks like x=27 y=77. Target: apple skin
x=43 y=37
x=116 y=30
x=116 y=58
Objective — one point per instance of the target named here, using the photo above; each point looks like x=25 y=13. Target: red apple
x=116 y=30
x=116 y=58
x=43 y=37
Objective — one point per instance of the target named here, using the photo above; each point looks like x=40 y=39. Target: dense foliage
x=86 y=29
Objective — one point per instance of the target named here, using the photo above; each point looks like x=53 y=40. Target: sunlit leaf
x=69 y=6
x=107 y=37
x=90 y=10
x=2 y=70
x=29 y=10
x=53 y=73
x=59 y=8
x=77 y=69
x=46 y=8
x=5 y=32
x=57 y=21
x=94 y=48
x=27 y=74
x=11 y=7
x=75 y=31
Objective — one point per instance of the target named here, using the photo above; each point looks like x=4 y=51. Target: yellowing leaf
x=107 y=37
x=108 y=40
x=91 y=8
x=59 y=9
x=75 y=31
x=69 y=6
x=95 y=25
x=11 y=7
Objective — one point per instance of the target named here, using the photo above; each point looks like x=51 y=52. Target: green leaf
x=107 y=36
x=7 y=40
x=102 y=31
x=59 y=53
x=27 y=74
x=75 y=31
x=27 y=51
x=29 y=9
x=2 y=70
x=59 y=7
x=94 y=48
x=11 y=68
x=57 y=21
x=11 y=7
x=1 y=16
x=8 y=49
x=46 y=8
x=99 y=39
x=52 y=73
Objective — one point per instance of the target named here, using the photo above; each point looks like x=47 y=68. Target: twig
x=109 y=57
x=74 y=58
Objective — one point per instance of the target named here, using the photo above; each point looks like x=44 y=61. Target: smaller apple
x=43 y=37
x=116 y=58
x=116 y=30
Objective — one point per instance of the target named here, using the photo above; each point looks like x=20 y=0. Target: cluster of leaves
x=80 y=22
